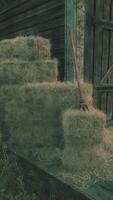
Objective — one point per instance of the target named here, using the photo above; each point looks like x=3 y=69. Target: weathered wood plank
x=97 y=51
x=105 y=88
x=98 y=44
x=35 y=11
x=99 y=56
x=104 y=66
x=19 y=4
x=41 y=26
x=70 y=20
x=111 y=58
x=105 y=46
x=12 y=3
x=107 y=16
x=106 y=9
x=89 y=41
x=110 y=62
x=48 y=19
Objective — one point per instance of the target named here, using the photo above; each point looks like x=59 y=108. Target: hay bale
x=83 y=128
x=78 y=173
x=20 y=72
x=87 y=177
x=84 y=159
x=107 y=141
x=77 y=179
x=33 y=112
x=84 y=167
x=26 y=48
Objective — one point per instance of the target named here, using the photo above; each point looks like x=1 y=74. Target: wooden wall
x=99 y=52
x=37 y=17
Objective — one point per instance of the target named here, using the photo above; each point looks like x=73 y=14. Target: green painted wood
x=70 y=20
x=104 y=100
x=104 y=67
x=89 y=41
x=98 y=55
x=105 y=54
x=98 y=44
x=110 y=81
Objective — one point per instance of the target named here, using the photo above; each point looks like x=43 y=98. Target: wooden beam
x=104 y=88
x=70 y=20
x=89 y=42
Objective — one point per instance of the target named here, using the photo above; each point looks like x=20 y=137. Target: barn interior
x=50 y=149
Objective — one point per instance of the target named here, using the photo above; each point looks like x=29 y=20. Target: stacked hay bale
x=25 y=48
x=107 y=141
x=34 y=117
x=31 y=110
x=87 y=152
x=35 y=111
x=25 y=60
x=21 y=72
x=31 y=107
x=83 y=134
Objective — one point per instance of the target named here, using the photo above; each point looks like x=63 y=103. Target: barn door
x=99 y=52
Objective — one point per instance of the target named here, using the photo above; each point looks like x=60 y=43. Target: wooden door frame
x=70 y=20
x=89 y=41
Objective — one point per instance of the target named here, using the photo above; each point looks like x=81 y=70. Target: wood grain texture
x=98 y=57
x=89 y=41
x=37 y=17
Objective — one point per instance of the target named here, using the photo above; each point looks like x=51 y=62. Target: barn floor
x=100 y=191
x=13 y=181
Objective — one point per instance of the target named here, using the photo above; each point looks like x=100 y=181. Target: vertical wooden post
x=97 y=55
x=89 y=40
x=70 y=20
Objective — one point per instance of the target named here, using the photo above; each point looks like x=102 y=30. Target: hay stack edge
x=40 y=117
